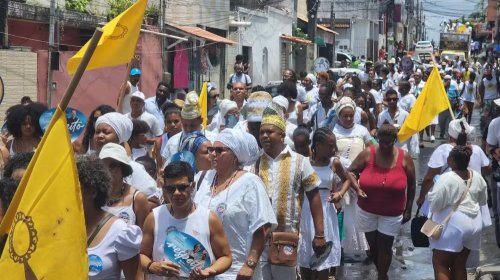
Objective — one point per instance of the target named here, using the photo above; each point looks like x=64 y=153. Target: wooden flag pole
x=81 y=68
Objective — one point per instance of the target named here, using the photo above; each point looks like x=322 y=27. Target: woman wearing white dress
x=352 y=138
x=240 y=200
x=466 y=189
x=323 y=162
x=113 y=246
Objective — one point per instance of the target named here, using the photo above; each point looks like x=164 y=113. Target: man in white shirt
x=493 y=149
x=138 y=113
x=394 y=115
x=153 y=104
x=131 y=87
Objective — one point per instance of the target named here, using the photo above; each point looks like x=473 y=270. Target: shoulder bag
x=433 y=229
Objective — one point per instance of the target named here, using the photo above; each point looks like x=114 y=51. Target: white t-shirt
x=406 y=102
x=439 y=157
x=379 y=99
x=126 y=99
x=356 y=131
x=155 y=127
x=141 y=180
x=243 y=208
x=493 y=137
x=417 y=89
x=399 y=119
x=120 y=243
x=470 y=90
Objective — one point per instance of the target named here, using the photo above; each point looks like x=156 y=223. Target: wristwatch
x=251 y=263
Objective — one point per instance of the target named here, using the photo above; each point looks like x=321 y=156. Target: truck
x=453 y=44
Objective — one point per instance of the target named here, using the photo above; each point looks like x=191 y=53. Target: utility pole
x=332 y=27
x=312 y=11
x=4 y=37
x=52 y=20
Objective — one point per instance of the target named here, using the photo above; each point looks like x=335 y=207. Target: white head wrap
x=242 y=143
x=281 y=101
x=191 y=109
x=225 y=106
x=312 y=78
x=344 y=102
x=120 y=124
x=454 y=128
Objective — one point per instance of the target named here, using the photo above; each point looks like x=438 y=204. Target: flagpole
x=81 y=68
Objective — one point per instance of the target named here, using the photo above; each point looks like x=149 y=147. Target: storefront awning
x=296 y=40
x=200 y=33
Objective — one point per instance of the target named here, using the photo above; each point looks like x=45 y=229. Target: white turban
x=120 y=124
x=312 y=78
x=454 y=128
x=225 y=106
x=191 y=109
x=281 y=101
x=344 y=102
x=243 y=145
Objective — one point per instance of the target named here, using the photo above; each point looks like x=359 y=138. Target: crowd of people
x=274 y=187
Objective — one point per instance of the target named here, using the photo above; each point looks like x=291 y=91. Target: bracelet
x=319 y=237
x=148 y=267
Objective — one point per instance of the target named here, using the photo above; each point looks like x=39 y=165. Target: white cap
x=138 y=94
x=116 y=152
x=281 y=101
x=447 y=77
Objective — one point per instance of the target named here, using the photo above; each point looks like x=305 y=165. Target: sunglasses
x=392 y=99
x=179 y=187
x=217 y=150
x=213 y=96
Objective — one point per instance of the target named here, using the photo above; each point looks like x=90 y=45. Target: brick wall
x=19 y=74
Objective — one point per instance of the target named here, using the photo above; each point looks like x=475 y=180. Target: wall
x=264 y=32
x=18 y=72
x=36 y=35
x=211 y=13
x=101 y=86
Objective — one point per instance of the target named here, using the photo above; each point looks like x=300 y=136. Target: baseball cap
x=138 y=94
x=135 y=71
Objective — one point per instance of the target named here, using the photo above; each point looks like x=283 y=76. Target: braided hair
x=321 y=136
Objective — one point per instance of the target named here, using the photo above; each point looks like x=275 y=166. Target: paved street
x=417 y=261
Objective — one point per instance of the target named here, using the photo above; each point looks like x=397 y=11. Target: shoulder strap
x=464 y=194
x=133 y=199
x=202 y=176
x=103 y=221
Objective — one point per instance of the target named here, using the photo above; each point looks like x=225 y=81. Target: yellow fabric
x=45 y=222
x=432 y=101
x=118 y=41
x=203 y=102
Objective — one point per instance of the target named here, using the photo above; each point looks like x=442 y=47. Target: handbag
x=433 y=229
x=283 y=246
x=417 y=237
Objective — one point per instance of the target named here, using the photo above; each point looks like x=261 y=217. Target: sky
x=436 y=11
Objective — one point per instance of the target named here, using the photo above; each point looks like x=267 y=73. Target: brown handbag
x=283 y=248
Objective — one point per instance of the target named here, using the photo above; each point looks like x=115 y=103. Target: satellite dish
x=321 y=64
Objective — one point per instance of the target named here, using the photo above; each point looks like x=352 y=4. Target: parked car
x=341 y=72
x=424 y=47
x=349 y=58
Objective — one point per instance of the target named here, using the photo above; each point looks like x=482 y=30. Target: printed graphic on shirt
x=186 y=251
x=124 y=216
x=95 y=265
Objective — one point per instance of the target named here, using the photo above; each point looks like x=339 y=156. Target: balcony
x=24 y=11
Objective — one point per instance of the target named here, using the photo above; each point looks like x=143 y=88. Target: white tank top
x=196 y=225
x=490 y=89
x=126 y=213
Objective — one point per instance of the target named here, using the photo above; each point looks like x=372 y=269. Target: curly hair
x=18 y=113
x=90 y=128
x=94 y=175
x=8 y=187
x=461 y=156
x=18 y=161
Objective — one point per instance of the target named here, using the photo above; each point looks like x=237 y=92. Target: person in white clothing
x=469 y=96
x=239 y=199
x=116 y=128
x=311 y=89
x=458 y=194
x=183 y=239
x=131 y=86
x=124 y=201
x=112 y=245
x=393 y=115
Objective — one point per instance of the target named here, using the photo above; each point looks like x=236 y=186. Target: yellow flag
x=45 y=222
x=203 y=103
x=118 y=41
x=431 y=101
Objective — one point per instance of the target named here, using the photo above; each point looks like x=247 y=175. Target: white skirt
x=461 y=231
x=354 y=240
x=331 y=228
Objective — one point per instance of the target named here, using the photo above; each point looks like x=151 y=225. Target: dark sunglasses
x=217 y=150
x=213 y=96
x=180 y=187
x=392 y=99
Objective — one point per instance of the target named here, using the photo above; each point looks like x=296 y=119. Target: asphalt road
x=415 y=263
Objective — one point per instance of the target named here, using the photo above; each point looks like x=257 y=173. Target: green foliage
x=297 y=32
x=76 y=5
x=116 y=7
x=152 y=10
